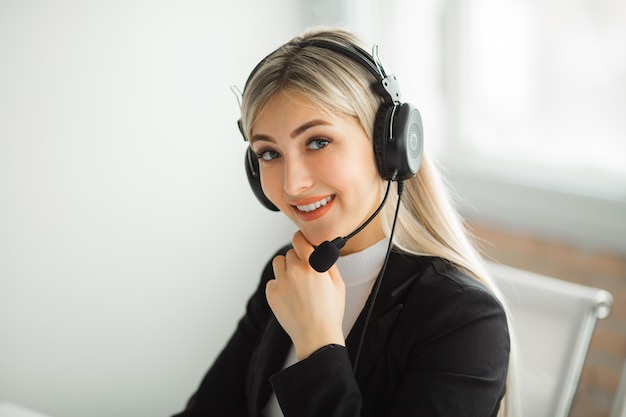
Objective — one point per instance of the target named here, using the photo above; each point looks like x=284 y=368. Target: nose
x=297 y=175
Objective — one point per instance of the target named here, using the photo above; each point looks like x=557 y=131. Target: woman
x=406 y=322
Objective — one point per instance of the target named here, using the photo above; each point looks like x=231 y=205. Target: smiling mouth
x=314 y=206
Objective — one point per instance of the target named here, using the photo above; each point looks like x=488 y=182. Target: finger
x=269 y=286
x=279 y=265
x=291 y=258
x=302 y=246
x=335 y=276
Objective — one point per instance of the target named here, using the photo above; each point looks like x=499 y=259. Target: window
x=538 y=104
x=524 y=102
x=543 y=82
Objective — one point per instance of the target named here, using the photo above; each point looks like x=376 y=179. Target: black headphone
x=398 y=133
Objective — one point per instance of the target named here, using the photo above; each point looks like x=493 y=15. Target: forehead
x=289 y=116
x=300 y=100
x=286 y=108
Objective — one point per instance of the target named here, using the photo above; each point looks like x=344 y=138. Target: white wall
x=129 y=239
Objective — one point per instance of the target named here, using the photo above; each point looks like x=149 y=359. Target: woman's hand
x=309 y=305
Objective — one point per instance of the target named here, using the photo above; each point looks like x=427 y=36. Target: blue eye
x=318 y=143
x=267 y=155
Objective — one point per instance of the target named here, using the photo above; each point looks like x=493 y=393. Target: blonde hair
x=428 y=223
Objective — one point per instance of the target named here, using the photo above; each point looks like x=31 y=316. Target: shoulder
x=444 y=309
x=448 y=279
x=435 y=278
x=438 y=291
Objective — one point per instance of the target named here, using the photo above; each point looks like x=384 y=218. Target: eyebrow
x=297 y=132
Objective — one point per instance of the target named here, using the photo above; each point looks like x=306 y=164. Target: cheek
x=360 y=180
x=268 y=184
x=363 y=170
x=369 y=179
x=271 y=184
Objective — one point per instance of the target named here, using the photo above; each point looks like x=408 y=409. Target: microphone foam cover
x=324 y=256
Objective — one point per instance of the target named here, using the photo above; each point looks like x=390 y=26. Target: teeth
x=316 y=205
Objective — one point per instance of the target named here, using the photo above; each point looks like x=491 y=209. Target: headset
x=398 y=135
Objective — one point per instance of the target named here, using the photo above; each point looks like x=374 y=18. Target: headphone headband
x=355 y=52
x=387 y=86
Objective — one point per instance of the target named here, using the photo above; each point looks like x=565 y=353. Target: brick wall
x=607 y=352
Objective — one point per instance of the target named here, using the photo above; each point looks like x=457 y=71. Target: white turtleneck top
x=358 y=271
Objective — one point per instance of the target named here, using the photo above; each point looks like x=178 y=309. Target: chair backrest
x=554 y=321
x=619 y=404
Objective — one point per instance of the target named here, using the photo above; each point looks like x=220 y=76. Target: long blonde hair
x=428 y=223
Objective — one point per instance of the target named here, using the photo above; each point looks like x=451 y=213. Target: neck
x=365 y=238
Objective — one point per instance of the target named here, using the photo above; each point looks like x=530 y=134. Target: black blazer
x=437 y=345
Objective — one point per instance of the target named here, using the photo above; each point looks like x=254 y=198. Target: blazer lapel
x=402 y=271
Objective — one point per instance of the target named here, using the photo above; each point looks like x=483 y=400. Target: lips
x=312 y=208
x=315 y=205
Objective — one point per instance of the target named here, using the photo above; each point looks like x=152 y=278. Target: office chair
x=619 y=404
x=554 y=321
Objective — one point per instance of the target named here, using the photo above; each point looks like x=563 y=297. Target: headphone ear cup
x=398 y=141
x=381 y=135
x=254 y=179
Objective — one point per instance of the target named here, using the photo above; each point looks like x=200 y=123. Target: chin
x=316 y=239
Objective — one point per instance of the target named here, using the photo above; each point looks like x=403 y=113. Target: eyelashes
x=318 y=143
x=267 y=155
x=315 y=144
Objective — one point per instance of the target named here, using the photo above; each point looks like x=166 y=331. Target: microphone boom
x=326 y=253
